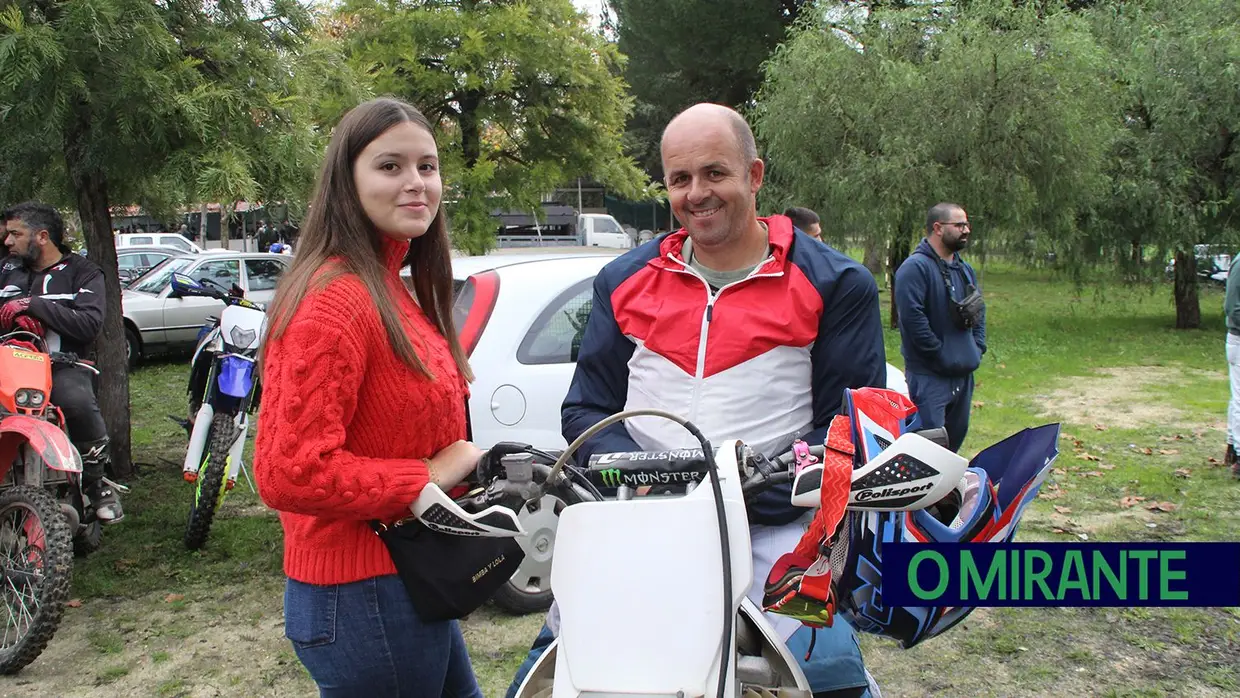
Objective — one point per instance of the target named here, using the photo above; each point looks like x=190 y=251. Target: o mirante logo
x=1062 y=574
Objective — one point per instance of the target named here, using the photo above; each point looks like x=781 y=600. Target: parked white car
x=521 y=318
x=173 y=240
x=156 y=320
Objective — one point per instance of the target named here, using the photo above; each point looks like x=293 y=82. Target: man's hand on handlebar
x=33 y=325
x=10 y=310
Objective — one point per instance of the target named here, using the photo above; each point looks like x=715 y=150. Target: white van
x=601 y=230
x=156 y=240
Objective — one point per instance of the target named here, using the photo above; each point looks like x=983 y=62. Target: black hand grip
x=938 y=435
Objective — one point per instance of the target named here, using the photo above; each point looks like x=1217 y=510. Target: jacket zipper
x=700 y=369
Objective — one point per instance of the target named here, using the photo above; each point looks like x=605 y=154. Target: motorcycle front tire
x=209 y=493
x=51 y=591
x=525 y=598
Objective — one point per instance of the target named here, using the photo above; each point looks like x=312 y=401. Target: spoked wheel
x=529 y=589
x=36 y=562
x=209 y=493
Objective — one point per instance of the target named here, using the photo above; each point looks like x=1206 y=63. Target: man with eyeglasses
x=942 y=323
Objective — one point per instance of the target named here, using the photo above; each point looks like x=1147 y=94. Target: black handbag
x=448 y=576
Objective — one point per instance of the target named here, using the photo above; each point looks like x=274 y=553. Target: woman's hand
x=453 y=464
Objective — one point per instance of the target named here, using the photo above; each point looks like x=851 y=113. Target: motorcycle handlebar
x=72 y=359
x=635 y=469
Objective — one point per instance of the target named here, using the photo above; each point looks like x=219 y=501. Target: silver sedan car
x=156 y=322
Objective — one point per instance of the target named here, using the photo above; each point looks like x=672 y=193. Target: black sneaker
x=106 y=503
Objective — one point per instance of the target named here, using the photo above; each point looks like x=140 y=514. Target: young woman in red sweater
x=364 y=391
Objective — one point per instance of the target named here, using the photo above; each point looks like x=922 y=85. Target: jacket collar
x=778 y=227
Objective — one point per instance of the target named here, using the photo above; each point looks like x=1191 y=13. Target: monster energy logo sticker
x=630 y=456
x=611 y=477
x=615 y=477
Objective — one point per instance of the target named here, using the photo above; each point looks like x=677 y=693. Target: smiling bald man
x=748 y=328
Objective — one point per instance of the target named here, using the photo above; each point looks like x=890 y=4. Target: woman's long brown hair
x=338 y=238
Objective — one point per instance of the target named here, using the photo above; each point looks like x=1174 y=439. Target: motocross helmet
x=985 y=507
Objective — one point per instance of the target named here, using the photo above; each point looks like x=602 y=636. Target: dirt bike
x=634 y=568
x=44 y=516
x=223 y=393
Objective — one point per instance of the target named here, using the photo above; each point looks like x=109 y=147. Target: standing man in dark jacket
x=942 y=323
x=61 y=298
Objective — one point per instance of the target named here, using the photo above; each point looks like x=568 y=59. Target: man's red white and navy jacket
x=764 y=360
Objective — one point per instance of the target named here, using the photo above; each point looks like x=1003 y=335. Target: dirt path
x=1130 y=397
x=197 y=646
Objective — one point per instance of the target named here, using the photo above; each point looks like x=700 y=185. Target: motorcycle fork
x=202 y=428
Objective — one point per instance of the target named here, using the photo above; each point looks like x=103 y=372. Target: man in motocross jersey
x=47 y=289
x=746 y=327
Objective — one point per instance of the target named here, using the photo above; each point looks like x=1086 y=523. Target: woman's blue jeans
x=364 y=640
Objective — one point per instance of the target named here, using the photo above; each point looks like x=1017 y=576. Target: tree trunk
x=897 y=252
x=225 y=225
x=1187 y=306
x=874 y=256
x=202 y=226
x=471 y=127
x=90 y=188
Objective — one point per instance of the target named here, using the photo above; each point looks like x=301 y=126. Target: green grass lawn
x=1142 y=406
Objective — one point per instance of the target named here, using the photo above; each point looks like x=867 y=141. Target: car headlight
x=242 y=338
x=23 y=397
x=36 y=398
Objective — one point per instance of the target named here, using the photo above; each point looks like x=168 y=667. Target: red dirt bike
x=43 y=517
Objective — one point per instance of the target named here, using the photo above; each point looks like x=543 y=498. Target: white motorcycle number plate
x=639 y=586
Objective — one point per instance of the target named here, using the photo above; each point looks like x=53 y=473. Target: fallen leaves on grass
x=1106 y=466
x=1099 y=427
x=1058 y=471
x=1129 y=502
x=1168 y=451
x=172 y=598
x=74 y=603
x=1088 y=457
x=1166 y=507
x=1183 y=472
x=1147 y=451
x=1091 y=473
x=978 y=404
x=1063 y=510
x=1051 y=494
x=1177 y=437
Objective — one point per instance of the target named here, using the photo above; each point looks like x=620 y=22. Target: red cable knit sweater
x=345 y=427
